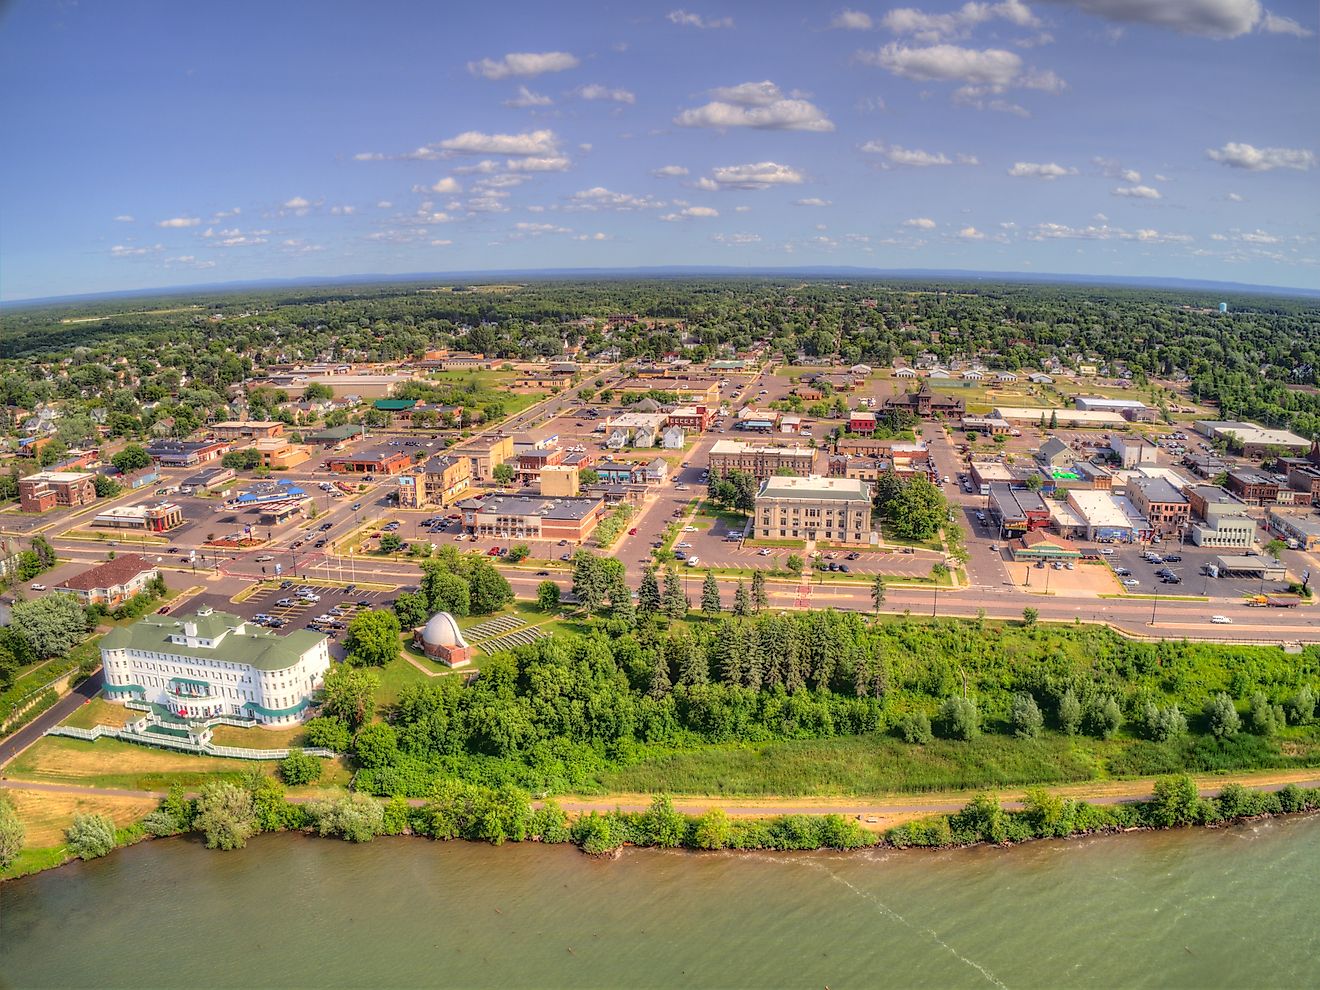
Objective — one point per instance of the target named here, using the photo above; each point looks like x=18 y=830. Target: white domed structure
x=442 y=640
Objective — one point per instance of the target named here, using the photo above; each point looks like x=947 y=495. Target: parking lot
x=300 y=612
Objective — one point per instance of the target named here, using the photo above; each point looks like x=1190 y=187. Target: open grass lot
x=488 y=385
x=110 y=763
x=256 y=737
x=45 y=815
x=98 y=711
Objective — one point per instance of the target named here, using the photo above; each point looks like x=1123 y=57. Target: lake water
x=1198 y=909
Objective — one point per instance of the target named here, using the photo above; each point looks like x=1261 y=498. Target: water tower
x=1223 y=307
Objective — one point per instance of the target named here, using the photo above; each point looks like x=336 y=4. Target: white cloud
x=1259 y=236
x=484 y=167
x=126 y=251
x=669 y=171
x=1058 y=231
x=921 y=223
x=177 y=222
x=384 y=204
x=1110 y=168
x=546 y=163
x=526 y=98
x=1236 y=198
x=523 y=64
x=1138 y=192
x=915 y=158
x=935 y=27
x=1238 y=155
x=600 y=198
x=297 y=203
x=441 y=243
x=812 y=201
x=225 y=214
x=536 y=229
x=983 y=72
x=852 y=20
x=1040 y=170
x=506 y=181
x=736 y=239
x=742 y=209
x=691 y=212
x=541 y=142
x=759 y=105
x=447 y=185
x=342 y=211
x=241 y=240
x=760 y=175
x=595 y=91
x=971 y=234
x=1275 y=24
x=599 y=235
x=124 y=218
x=1206 y=18
x=685 y=19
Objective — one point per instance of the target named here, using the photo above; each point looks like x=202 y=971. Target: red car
x=633 y=531
x=493 y=552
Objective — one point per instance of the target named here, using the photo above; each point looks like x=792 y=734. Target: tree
x=1029 y=616
x=1176 y=801
x=376 y=745
x=712 y=829
x=391 y=543
x=373 y=638
x=518 y=553
x=225 y=815
x=914 y=727
x=411 y=608
x=445 y=592
x=710 y=594
x=547 y=596
x=327 y=732
x=1221 y=716
x=1104 y=716
x=503 y=474
x=1070 y=713
x=90 y=836
x=52 y=624
x=675 y=602
x=959 y=719
x=489 y=589
x=590 y=581
x=1025 y=716
x=878 y=592
x=299 y=768
x=106 y=487
x=1275 y=547
x=648 y=594
x=349 y=695
x=741 y=604
x=317 y=392
x=759 y=597
x=352 y=817
x=588 y=476
x=1301 y=706
x=12 y=832
x=1266 y=719
x=794 y=564
x=918 y=510
x=132 y=458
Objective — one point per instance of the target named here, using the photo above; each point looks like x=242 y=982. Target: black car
x=349 y=589
x=843 y=569
x=1173 y=558
x=542 y=573
x=285 y=585
x=318 y=544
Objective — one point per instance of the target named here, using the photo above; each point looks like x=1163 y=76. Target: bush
x=1176 y=802
x=90 y=836
x=1070 y=713
x=959 y=719
x=1221 y=716
x=1025 y=716
x=596 y=834
x=11 y=831
x=914 y=727
x=1301 y=706
x=225 y=815
x=550 y=823
x=711 y=830
x=376 y=745
x=1103 y=717
x=327 y=733
x=299 y=768
x=1266 y=719
x=1163 y=724
x=352 y=817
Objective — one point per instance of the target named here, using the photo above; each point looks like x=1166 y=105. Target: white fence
x=178 y=742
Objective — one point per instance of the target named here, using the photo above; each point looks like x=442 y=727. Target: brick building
x=48 y=489
x=760 y=461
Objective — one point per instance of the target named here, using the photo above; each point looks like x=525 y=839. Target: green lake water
x=1227 y=908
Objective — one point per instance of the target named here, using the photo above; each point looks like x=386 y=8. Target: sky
x=151 y=144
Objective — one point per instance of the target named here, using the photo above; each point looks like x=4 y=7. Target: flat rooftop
x=813 y=487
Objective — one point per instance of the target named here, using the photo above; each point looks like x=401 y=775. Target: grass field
x=45 y=815
x=98 y=711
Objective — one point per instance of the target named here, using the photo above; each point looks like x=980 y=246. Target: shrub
x=1176 y=801
x=299 y=768
x=1103 y=716
x=397 y=816
x=376 y=745
x=1070 y=713
x=981 y=820
x=959 y=719
x=711 y=830
x=1221 y=716
x=1301 y=706
x=596 y=834
x=1163 y=724
x=1025 y=716
x=11 y=831
x=352 y=817
x=90 y=836
x=1266 y=719
x=225 y=815
x=161 y=823
x=914 y=727
x=550 y=823
x=328 y=733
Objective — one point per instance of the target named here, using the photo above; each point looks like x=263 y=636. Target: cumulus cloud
x=599 y=235
x=685 y=19
x=1138 y=192
x=595 y=91
x=127 y=251
x=852 y=20
x=526 y=98
x=759 y=105
x=1103 y=232
x=124 y=218
x=985 y=74
x=447 y=185
x=936 y=27
x=177 y=222
x=523 y=64
x=297 y=203
x=1253 y=159
x=971 y=234
x=539 y=163
x=760 y=175
x=536 y=229
x=691 y=212
x=600 y=198
x=1040 y=170
x=812 y=201
x=920 y=223
x=1206 y=18
x=894 y=154
x=541 y=142
x=669 y=171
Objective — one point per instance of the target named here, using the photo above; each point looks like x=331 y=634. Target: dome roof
x=442 y=630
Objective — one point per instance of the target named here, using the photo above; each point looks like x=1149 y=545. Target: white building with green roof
x=214 y=663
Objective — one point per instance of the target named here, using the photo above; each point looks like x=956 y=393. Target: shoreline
x=1177 y=804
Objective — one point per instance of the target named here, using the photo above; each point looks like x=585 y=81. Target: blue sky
x=154 y=144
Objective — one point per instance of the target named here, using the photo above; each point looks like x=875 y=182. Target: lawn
x=98 y=711
x=45 y=815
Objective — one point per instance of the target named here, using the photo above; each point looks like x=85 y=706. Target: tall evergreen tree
x=741 y=605
x=878 y=591
x=660 y=683
x=675 y=603
x=710 y=594
x=648 y=595
x=759 y=598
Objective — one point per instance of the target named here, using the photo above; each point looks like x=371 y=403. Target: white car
x=693 y=561
x=683 y=546
x=1221 y=620
x=764 y=551
x=38 y=587
x=1130 y=582
x=1107 y=551
x=689 y=529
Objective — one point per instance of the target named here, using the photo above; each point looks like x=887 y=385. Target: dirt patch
x=1086 y=580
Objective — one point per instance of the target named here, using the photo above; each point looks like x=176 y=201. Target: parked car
x=1221 y=620
x=1130 y=582
x=633 y=531
x=37 y=586
x=693 y=561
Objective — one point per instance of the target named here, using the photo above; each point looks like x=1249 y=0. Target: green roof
x=254 y=647
x=252 y=706
x=394 y=405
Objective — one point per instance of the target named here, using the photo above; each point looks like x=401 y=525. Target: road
x=12 y=745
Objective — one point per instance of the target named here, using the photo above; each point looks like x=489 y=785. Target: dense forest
x=131 y=363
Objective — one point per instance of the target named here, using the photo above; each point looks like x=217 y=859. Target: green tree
x=503 y=474
x=1103 y=716
x=1176 y=801
x=411 y=608
x=794 y=564
x=106 y=487
x=133 y=457
x=648 y=594
x=1070 y=713
x=299 y=768
x=327 y=732
x=1029 y=616
x=547 y=596
x=349 y=695
x=52 y=624
x=712 y=829
x=225 y=815
x=878 y=592
x=12 y=833
x=675 y=603
x=373 y=638
x=489 y=589
x=352 y=817
x=90 y=836
x=918 y=510
x=391 y=543
x=741 y=603
x=960 y=719
x=915 y=729
x=1221 y=716
x=1025 y=716
x=376 y=745
x=1266 y=719
x=710 y=594
x=1301 y=706
x=663 y=826
x=759 y=597
x=590 y=581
